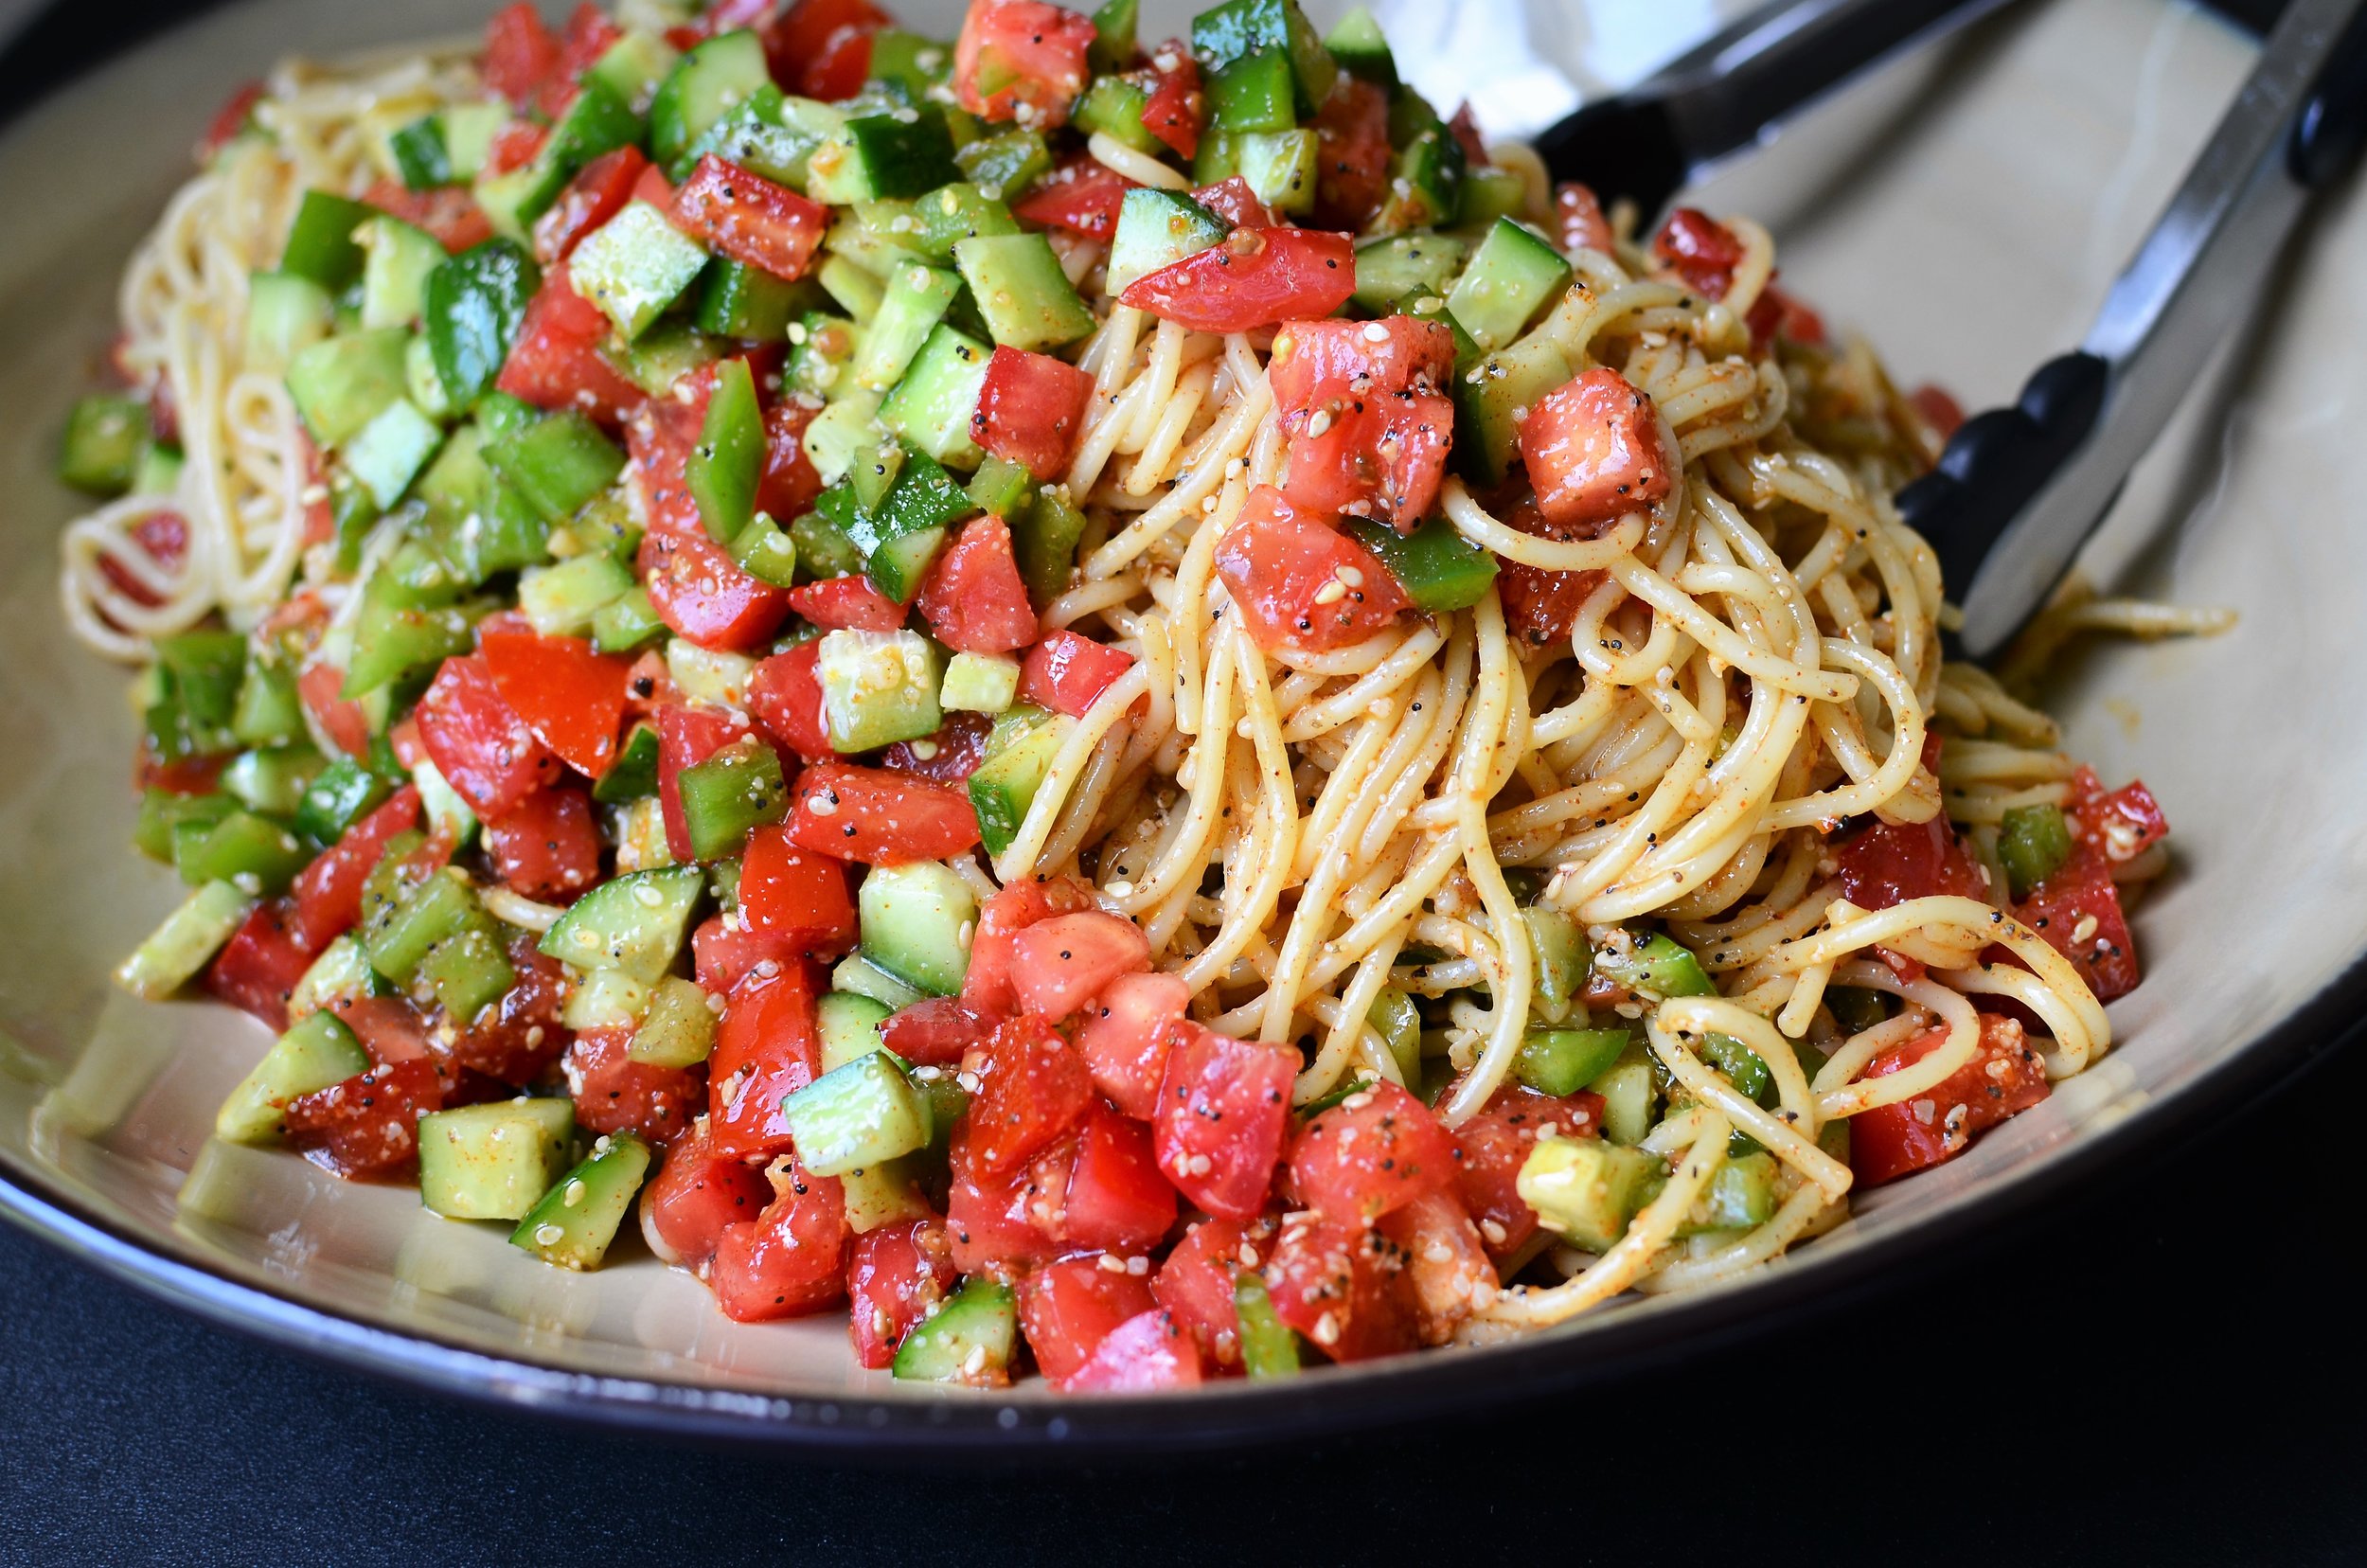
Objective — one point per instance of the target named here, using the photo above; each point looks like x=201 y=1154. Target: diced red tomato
x=791 y=1260
x=1300 y=583
x=1033 y=1089
x=878 y=817
x=1375 y=1151
x=1540 y=606
x=368 y=1126
x=614 y=1094
x=514 y=146
x=1699 y=249
x=897 y=1276
x=786 y=486
x=1367 y=426
x=1448 y=1274
x=2003 y=1079
x=701 y=592
x=1232 y=200
x=988 y=986
x=785 y=694
x=447 y=212
x=261 y=963
x=2117 y=825
x=556 y=363
x=182 y=775
x=389 y=1028
x=589 y=35
x=951 y=755
x=2062 y=908
x=688 y=735
x=1196 y=1282
x=1578 y=216
x=847 y=603
x=1593 y=450
x=1352 y=157
x=796 y=895
x=164 y=538
x=548 y=848
x=1495 y=1143
x=1795 y=318
x=749 y=218
x=1224 y=1106
x=598 y=193
x=1082 y=196
x=516 y=1037
x=519 y=53
x=698 y=1194
x=1938 y=408
x=1124 y=1038
x=1252 y=277
x=1464 y=127
x=346 y=723
x=1884 y=864
x=821 y=48
x=723 y=955
x=235 y=114
x=1177 y=105
x=1030 y=409
x=1020 y=52
x=1343 y=1287
x=937 y=1032
x=1144 y=1353
x=1060 y=963
x=1068 y=674
x=1001 y=1222
x=480 y=745
x=1321 y=365
x=328 y=891
x=1067 y=1309
x=572 y=698
x=1117 y=1200
x=767 y=1050
x=654 y=189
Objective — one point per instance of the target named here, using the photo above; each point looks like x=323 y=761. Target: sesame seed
x=548 y=1235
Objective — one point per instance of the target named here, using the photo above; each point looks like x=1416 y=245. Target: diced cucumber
x=1586 y=1189
x=1512 y=276
x=634 y=265
x=420 y=153
x=1269 y=1349
x=1390 y=268
x=915 y=301
x=709 y=675
x=1425 y=180
x=917 y=921
x=909 y=152
x=1113 y=106
x=313 y=1054
x=605 y=999
x=820 y=348
x=1043 y=541
x=960 y=211
x=729 y=795
x=859 y=975
x=1561 y=956
x=1224 y=33
x=557 y=463
x=337 y=798
x=1358 y=48
x=1005 y=164
x=873 y=236
x=467 y=973
x=878 y=687
x=883 y=1194
x=1438 y=569
x=709 y=83
x=979 y=683
x=574 y=1223
x=1001 y=486
x=469 y=132
x=341 y=385
x=860 y=1115
x=320 y=239
x=766 y=553
x=185 y=942
x=561 y=600
x=1490 y=194
x=250 y=851
x=1562 y=1061
x=636 y=66
x=663 y=355
x=970 y=1340
x=1005 y=783
x=1158 y=228
x=471 y=310
x=856 y=292
x=1493 y=398
x=1740 y=1196
x=848 y=1025
x=824 y=550
x=840 y=433
x=285 y=315
x=1653 y=966
x=634 y=922
x=493 y=1161
x=397 y=258
x=272 y=780
x=447 y=813
x=1026 y=298
x=633 y=774
x=398 y=936
x=387 y=453
x=750 y=304
x=678 y=1027
x=341 y=974
x=627 y=623
x=1399 y=1024
x=933 y=404
x=722 y=470
x=1253 y=93
x=1280 y=167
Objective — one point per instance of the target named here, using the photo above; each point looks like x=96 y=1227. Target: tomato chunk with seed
x=548 y=849
x=1594 y=452
x=1374 y=1152
x=1299 y=582
x=1495 y=1143
x=1176 y=104
x=1124 y=1038
x=572 y=698
x=790 y=1261
x=723 y=955
x=2003 y=1079
x=1146 y=1352
x=821 y=48
x=999 y=1222
x=1699 y=249
x=1196 y=1283
x=1343 y=1287
x=1060 y=963
x=948 y=756
x=785 y=694
x=261 y=963
x=2078 y=911
x=1578 y=218
x=556 y=361
x=1252 y=277
x=766 y=1050
x=847 y=603
x=1225 y=1106
x=368 y=1126
x=1318 y=365
x=1020 y=52
x=1068 y=674
x=520 y=51
x=1447 y=1273
x=987 y=986
x=1033 y=1089
x=1352 y=158
x=1082 y=196
x=1233 y=200
x=897 y=1276
x=749 y=218
x=701 y=594
x=447 y=212
x=480 y=745
x=796 y=895
x=1887 y=862
x=698 y=1194
x=327 y=892
x=1368 y=428
x=1030 y=409
x=788 y=484
x=937 y=1032
x=1067 y=1309
x=598 y=193
x=514 y=1039
x=878 y=817
x=1117 y=1200
x=614 y=1094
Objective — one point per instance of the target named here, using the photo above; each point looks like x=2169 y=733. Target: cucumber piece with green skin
x=320 y=241
x=597 y=121
x=469 y=132
x=1513 y=276
x=1158 y=228
x=313 y=1054
x=1438 y=569
x=2032 y=842
x=340 y=796
x=472 y=309
x=678 y=1028
x=1561 y=955
x=1044 y=543
x=1005 y=163
x=823 y=549
x=1256 y=92
x=1269 y=1349
x=855 y=291
x=340 y=384
x=1116 y=26
x=1491 y=398
x=663 y=355
x=636 y=265
x=841 y=432
x=1225 y=33
x=723 y=468
x=629 y=623
x=1112 y=106
x=392 y=639
x=466 y=972
x=878 y=687
x=1740 y=1196
x=1425 y=182
x=871 y=238
x=420 y=156
x=947 y=216
x=273 y=780
x=899 y=156
x=605 y=999
x=161 y=811
x=560 y=600
x=493 y=1161
x=915 y=301
x=633 y=774
x=285 y=315
x=634 y=922
x=387 y=453
x=1490 y=195
x=757 y=136
x=766 y=553
x=931 y=407
x=157 y=471
x=636 y=66
x=750 y=304
x=1024 y=296
x=250 y=851
x=861 y=1114
x=848 y=1026
x=729 y=795
x=397 y=261
x=970 y=1340
x=185 y=942
x=908 y=61
x=573 y=1225
x=1394 y=1017
x=340 y=976
x=1653 y=967
x=1001 y=486
x=1005 y=783
x=1630 y=1090
x=1358 y=48
x=1395 y=265
x=557 y=463
x=1562 y=1061
x=398 y=938
x=900 y=537
x=421 y=383
x=1586 y=1189
x=822 y=345
x=979 y=683
x=860 y=976
x=707 y=83
x=913 y=920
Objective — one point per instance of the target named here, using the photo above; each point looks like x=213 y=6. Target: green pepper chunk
x=725 y=465
x=320 y=239
x=473 y=306
x=1438 y=569
x=1269 y=1349
x=2032 y=842
x=104 y=436
x=730 y=794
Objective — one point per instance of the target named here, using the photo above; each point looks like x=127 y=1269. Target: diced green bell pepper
x=472 y=307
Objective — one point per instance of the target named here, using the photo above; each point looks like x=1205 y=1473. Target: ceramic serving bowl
x=1964 y=211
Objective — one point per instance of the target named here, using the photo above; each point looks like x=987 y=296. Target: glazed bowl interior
x=1963 y=213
